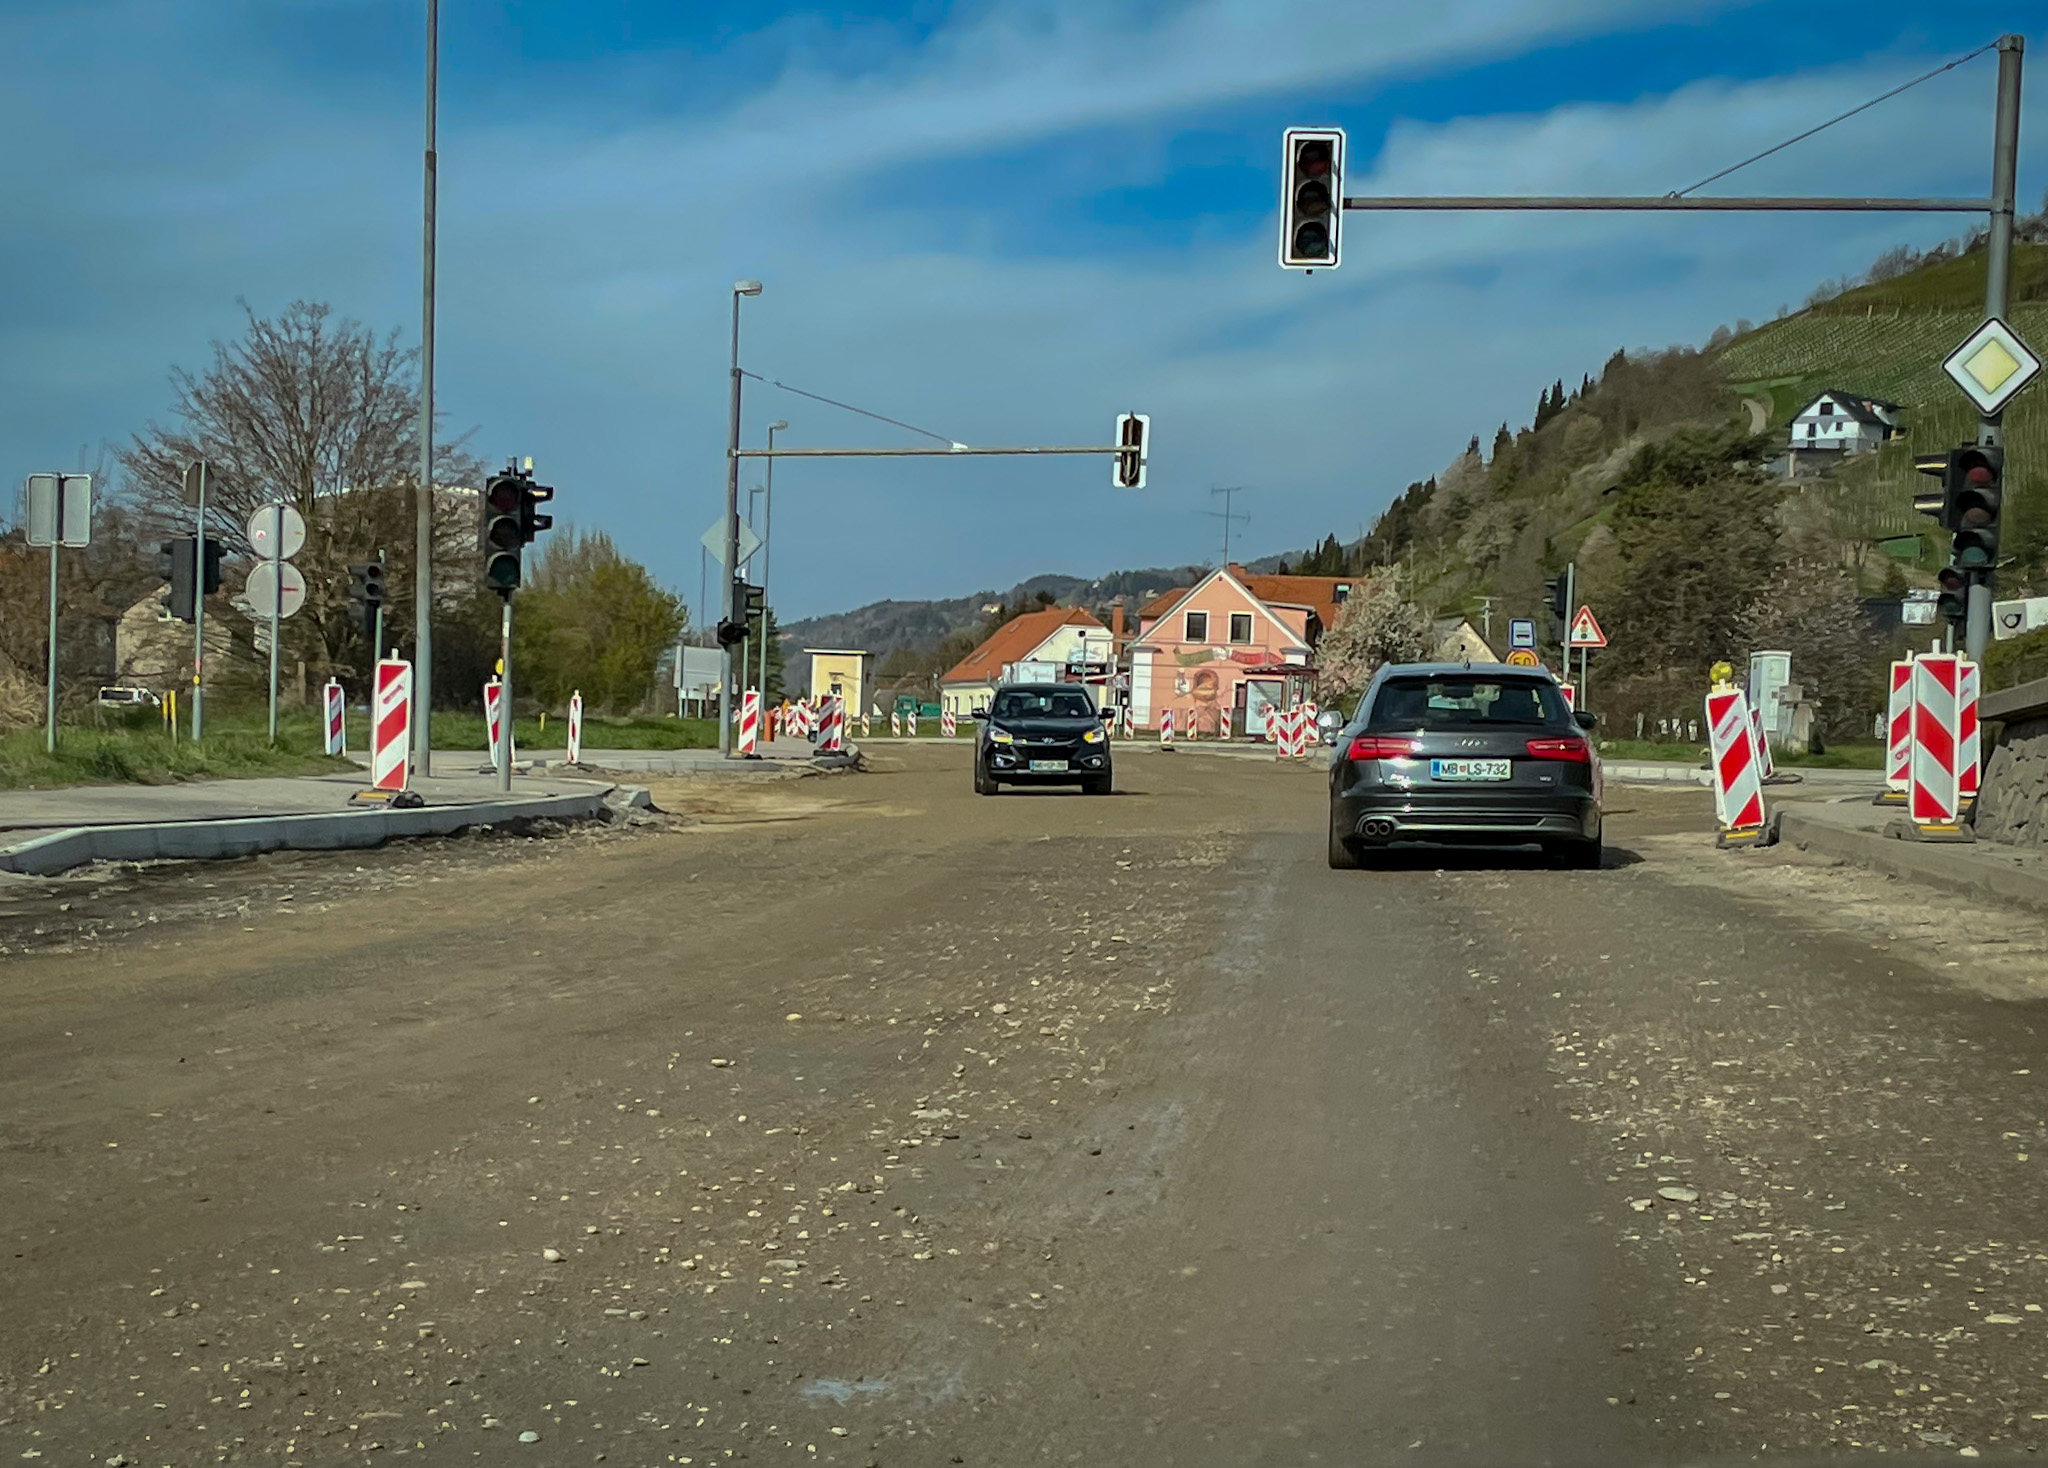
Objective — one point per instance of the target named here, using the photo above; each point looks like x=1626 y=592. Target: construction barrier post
x=391 y=726
x=335 y=705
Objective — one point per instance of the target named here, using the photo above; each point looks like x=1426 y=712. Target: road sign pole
x=2005 y=148
x=276 y=604
x=50 y=729
x=1571 y=600
x=199 y=612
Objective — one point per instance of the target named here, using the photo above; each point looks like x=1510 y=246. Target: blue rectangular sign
x=1521 y=633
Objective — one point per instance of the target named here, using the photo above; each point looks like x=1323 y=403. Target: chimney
x=1116 y=621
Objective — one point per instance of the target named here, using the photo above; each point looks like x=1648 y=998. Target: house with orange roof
x=1222 y=651
x=1041 y=644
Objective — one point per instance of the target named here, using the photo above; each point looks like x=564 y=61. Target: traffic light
x=1952 y=602
x=1311 y=197
x=531 y=523
x=366 y=593
x=731 y=634
x=502 y=535
x=175 y=564
x=1134 y=432
x=1975 y=492
x=1557 y=597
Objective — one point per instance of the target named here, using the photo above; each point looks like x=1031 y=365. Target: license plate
x=1049 y=766
x=1470 y=769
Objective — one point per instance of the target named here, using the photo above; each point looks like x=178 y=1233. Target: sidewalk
x=1853 y=829
x=43 y=832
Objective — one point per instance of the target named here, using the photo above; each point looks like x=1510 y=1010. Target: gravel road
x=860 y=1120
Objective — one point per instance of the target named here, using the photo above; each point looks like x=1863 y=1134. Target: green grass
x=1862 y=755
x=145 y=755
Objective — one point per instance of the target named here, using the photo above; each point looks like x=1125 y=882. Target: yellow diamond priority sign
x=1992 y=365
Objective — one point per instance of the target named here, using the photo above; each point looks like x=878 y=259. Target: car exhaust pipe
x=1378 y=827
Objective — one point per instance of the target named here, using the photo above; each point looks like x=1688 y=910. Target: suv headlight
x=1093 y=736
x=1001 y=736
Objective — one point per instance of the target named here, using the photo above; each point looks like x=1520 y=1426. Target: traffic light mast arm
x=1425 y=202
x=957 y=451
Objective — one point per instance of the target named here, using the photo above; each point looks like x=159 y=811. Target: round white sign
x=273 y=523
x=262 y=590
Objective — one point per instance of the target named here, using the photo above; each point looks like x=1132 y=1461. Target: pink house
x=1220 y=652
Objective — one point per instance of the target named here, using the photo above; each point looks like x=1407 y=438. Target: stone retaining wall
x=2013 y=804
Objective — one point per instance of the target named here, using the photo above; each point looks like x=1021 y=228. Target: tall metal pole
x=423 y=534
x=2005 y=150
x=505 y=696
x=1571 y=597
x=199 y=614
x=276 y=604
x=50 y=722
x=732 y=523
x=767 y=550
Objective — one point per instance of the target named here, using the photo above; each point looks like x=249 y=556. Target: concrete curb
x=1966 y=870
x=59 y=851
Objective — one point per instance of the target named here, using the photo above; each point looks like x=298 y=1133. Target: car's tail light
x=1571 y=748
x=1368 y=746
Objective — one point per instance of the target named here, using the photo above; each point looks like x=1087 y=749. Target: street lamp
x=732 y=521
x=767 y=524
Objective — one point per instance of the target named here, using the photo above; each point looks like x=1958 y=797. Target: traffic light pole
x=503 y=752
x=2005 y=148
x=423 y=510
x=732 y=534
x=199 y=614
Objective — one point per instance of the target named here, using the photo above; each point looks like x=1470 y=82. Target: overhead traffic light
x=366 y=593
x=1134 y=432
x=1311 y=197
x=501 y=537
x=1976 y=493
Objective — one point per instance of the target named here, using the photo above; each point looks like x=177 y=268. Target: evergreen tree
x=1502 y=442
x=1542 y=410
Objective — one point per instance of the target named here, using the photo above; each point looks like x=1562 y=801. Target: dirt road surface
x=861 y=1120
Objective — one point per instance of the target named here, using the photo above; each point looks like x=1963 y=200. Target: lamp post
x=767 y=525
x=423 y=506
x=732 y=522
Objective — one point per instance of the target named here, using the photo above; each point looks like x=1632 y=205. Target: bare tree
x=320 y=414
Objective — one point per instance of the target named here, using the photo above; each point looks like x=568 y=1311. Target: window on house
x=1197 y=629
x=1240 y=626
x=1343 y=591
x=1827 y=410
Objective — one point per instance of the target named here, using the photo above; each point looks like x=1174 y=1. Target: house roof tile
x=1015 y=641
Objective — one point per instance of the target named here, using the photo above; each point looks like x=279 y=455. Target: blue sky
x=1004 y=220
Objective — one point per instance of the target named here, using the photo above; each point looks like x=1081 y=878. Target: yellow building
x=843 y=673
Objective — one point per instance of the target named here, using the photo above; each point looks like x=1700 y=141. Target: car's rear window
x=1466 y=703
x=1054 y=703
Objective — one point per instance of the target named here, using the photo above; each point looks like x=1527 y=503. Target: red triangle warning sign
x=1586 y=630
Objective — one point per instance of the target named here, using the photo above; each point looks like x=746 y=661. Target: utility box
x=1770 y=675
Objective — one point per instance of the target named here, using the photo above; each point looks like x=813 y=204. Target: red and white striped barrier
x=1271 y=731
x=832 y=726
x=576 y=727
x=494 y=721
x=1969 y=739
x=1304 y=729
x=1738 y=780
x=910 y=723
x=750 y=721
x=1279 y=729
x=895 y=724
x=1166 y=728
x=391 y=726
x=1763 y=743
x=1934 y=796
x=1130 y=722
x=865 y=727
x=1190 y=723
x=335 y=705
x=1898 y=724
x=948 y=727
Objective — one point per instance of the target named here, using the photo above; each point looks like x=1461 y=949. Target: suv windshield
x=1452 y=702
x=1050 y=703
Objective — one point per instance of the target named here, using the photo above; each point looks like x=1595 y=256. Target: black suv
x=1041 y=734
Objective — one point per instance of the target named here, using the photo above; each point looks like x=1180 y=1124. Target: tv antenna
x=1227 y=514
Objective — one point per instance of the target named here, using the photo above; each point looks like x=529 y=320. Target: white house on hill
x=1840 y=422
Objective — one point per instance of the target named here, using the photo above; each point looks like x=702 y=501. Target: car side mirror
x=1106 y=715
x=1585 y=720
x=979 y=714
